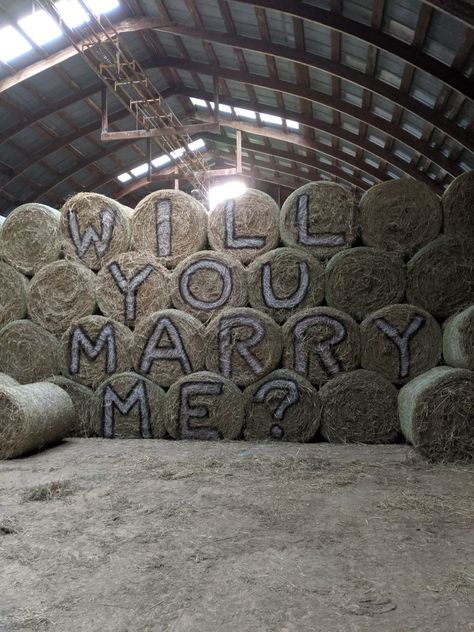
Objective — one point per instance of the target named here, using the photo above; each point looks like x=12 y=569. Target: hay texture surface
x=128 y=406
x=436 y=413
x=359 y=407
x=94 y=348
x=458 y=340
x=208 y=282
x=30 y=238
x=243 y=345
x=321 y=342
x=168 y=345
x=440 y=277
x=320 y=218
x=82 y=399
x=204 y=406
x=6 y=380
x=28 y=352
x=32 y=417
x=361 y=280
x=170 y=225
x=245 y=227
x=94 y=229
x=284 y=280
x=13 y=287
x=59 y=293
x=401 y=215
x=458 y=207
x=132 y=286
x=281 y=407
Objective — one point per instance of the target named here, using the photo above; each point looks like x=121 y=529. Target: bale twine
x=458 y=207
x=361 y=280
x=6 y=380
x=13 y=287
x=440 y=277
x=359 y=407
x=132 y=286
x=94 y=348
x=207 y=282
x=436 y=413
x=204 y=406
x=169 y=224
x=281 y=407
x=94 y=229
x=128 y=406
x=30 y=237
x=28 y=352
x=243 y=345
x=82 y=399
x=245 y=227
x=320 y=218
x=59 y=293
x=168 y=345
x=458 y=340
x=284 y=280
x=321 y=342
x=32 y=417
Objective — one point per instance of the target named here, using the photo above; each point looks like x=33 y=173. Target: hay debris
x=6 y=380
x=82 y=399
x=458 y=207
x=13 y=287
x=458 y=340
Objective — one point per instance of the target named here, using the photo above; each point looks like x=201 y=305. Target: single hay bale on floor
x=94 y=348
x=243 y=345
x=128 y=406
x=245 y=227
x=320 y=218
x=359 y=407
x=458 y=207
x=32 y=417
x=208 y=282
x=168 y=345
x=361 y=280
x=82 y=398
x=436 y=413
x=204 y=406
x=440 y=277
x=94 y=229
x=28 y=352
x=59 y=293
x=30 y=237
x=401 y=215
x=321 y=342
x=458 y=340
x=13 y=288
x=283 y=406
x=285 y=280
x=6 y=380
x=170 y=225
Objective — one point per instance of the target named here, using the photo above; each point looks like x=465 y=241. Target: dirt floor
x=141 y=536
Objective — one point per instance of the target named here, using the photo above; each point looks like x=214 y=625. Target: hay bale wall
x=13 y=288
x=458 y=207
x=458 y=340
x=82 y=399
x=6 y=380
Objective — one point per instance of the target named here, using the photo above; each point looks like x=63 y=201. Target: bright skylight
x=270 y=118
x=222 y=107
x=199 y=102
x=177 y=152
x=160 y=161
x=292 y=124
x=140 y=170
x=72 y=13
x=227 y=191
x=40 y=27
x=12 y=44
x=124 y=177
x=197 y=144
x=250 y=114
x=245 y=113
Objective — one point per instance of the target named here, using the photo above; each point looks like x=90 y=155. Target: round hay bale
x=281 y=407
x=359 y=407
x=94 y=348
x=13 y=288
x=245 y=227
x=320 y=218
x=59 y=293
x=440 y=277
x=30 y=237
x=82 y=399
x=168 y=345
x=207 y=282
x=128 y=406
x=436 y=413
x=458 y=206
x=401 y=215
x=169 y=224
x=28 y=352
x=204 y=406
x=94 y=229
x=321 y=342
x=361 y=280
x=132 y=286
x=6 y=380
x=458 y=340
x=284 y=280
x=243 y=345
x=400 y=342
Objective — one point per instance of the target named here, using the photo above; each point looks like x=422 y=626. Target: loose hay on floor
x=458 y=340
x=458 y=207
x=13 y=287
x=82 y=399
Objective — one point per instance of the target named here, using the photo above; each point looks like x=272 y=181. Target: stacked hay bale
x=458 y=340
x=13 y=288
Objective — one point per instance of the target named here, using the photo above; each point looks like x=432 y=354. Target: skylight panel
x=72 y=13
x=199 y=102
x=40 y=27
x=222 y=107
x=124 y=177
x=270 y=118
x=197 y=144
x=292 y=124
x=177 y=152
x=161 y=161
x=140 y=170
x=12 y=44
x=245 y=113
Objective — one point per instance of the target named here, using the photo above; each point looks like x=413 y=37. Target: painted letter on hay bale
x=458 y=340
x=13 y=288
x=458 y=207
